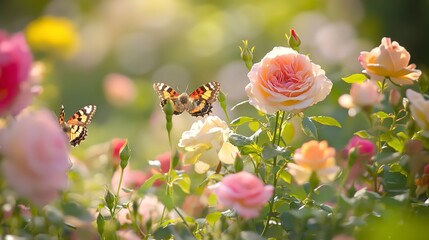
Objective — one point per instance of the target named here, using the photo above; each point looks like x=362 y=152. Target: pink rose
x=361 y=95
x=119 y=90
x=15 y=64
x=286 y=80
x=244 y=192
x=131 y=179
x=389 y=60
x=36 y=161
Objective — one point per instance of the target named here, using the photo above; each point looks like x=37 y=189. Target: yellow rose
x=389 y=60
x=419 y=108
x=316 y=157
x=285 y=80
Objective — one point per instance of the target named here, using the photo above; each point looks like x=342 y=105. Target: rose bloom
x=117 y=144
x=15 y=65
x=119 y=90
x=419 y=108
x=207 y=143
x=36 y=161
x=286 y=80
x=243 y=192
x=362 y=95
x=365 y=149
x=389 y=60
x=314 y=156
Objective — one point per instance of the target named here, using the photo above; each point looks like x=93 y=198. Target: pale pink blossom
x=361 y=95
x=285 y=80
x=206 y=143
x=314 y=156
x=120 y=91
x=35 y=157
x=131 y=179
x=117 y=144
x=419 y=108
x=389 y=60
x=15 y=64
x=243 y=192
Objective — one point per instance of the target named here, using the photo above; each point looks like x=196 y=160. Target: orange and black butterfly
x=75 y=127
x=198 y=103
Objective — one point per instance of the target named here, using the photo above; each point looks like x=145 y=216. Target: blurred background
x=110 y=52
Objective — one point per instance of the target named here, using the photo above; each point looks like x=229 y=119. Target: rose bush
x=36 y=161
x=389 y=60
x=285 y=80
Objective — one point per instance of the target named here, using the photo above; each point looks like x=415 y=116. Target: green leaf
x=238 y=164
x=355 y=78
x=184 y=183
x=213 y=217
x=271 y=151
x=396 y=144
x=162 y=233
x=240 y=140
x=285 y=176
x=288 y=132
x=308 y=127
x=148 y=184
x=241 y=120
x=254 y=126
x=382 y=115
x=326 y=120
x=363 y=134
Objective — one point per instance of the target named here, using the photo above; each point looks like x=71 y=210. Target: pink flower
x=316 y=157
x=36 y=160
x=117 y=145
x=15 y=64
x=244 y=192
x=365 y=149
x=286 y=80
x=119 y=90
x=193 y=205
x=389 y=60
x=362 y=95
x=131 y=179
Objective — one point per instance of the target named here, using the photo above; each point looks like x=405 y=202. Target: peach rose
x=207 y=143
x=316 y=157
x=244 y=192
x=419 y=108
x=286 y=80
x=361 y=95
x=389 y=60
x=120 y=91
x=36 y=160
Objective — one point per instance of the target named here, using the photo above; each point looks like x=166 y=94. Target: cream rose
x=419 y=108
x=36 y=161
x=206 y=143
x=389 y=60
x=361 y=95
x=286 y=80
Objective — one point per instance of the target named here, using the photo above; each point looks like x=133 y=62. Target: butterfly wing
x=167 y=93
x=202 y=99
x=76 y=124
x=62 y=115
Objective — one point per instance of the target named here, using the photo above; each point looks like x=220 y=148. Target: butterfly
x=198 y=103
x=75 y=127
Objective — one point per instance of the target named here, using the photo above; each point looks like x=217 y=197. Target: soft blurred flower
x=394 y=97
x=127 y=234
x=193 y=206
x=389 y=60
x=365 y=149
x=422 y=182
x=52 y=34
x=286 y=80
x=132 y=179
x=150 y=209
x=243 y=192
x=36 y=160
x=362 y=95
x=419 y=108
x=117 y=144
x=119 y=90
x=206 y=143
x=164 y=165
x=15 y=65
x=314 y=156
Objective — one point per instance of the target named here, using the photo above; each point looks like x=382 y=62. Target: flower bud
x=100 y=224
x=124 y=154
x=293 y=40
x=394 y=97
x=247 y=54
x=109 y=198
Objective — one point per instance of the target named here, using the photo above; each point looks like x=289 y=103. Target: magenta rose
x=35 y=157
x=243 y=192
x=15 y=64
x=285 y=80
